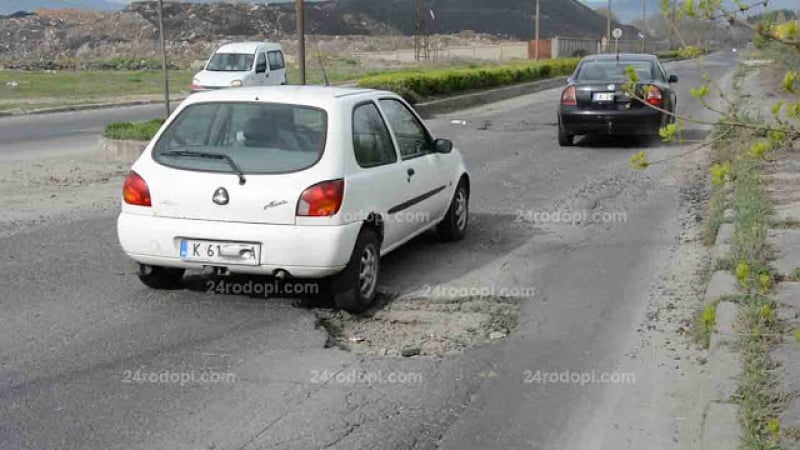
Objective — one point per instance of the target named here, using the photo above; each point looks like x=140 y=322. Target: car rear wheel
x=156 y=277
x=564 y=139
x=355 y=288
x=454 y=225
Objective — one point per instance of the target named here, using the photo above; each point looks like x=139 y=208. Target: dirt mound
x=193 y=29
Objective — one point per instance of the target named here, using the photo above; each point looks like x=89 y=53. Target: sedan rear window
x=606 y=70
x=258 y=138
x=230 y=62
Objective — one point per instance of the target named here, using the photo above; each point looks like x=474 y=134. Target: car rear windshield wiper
x=215 y=156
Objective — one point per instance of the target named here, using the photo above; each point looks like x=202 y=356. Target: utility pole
x=644 y=26
x=672 y=25
x=608 y=26
x=538 y=22
x=164 y=55
x=301 y=39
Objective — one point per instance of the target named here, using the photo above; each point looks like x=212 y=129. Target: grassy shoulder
x=136 y=131
x=43 y=89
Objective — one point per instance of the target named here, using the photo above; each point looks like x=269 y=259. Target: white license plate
x=603 y=97
x=220 y=252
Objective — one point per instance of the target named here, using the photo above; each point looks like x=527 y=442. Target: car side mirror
x=443 y=146
x=570 y=79
x=673 y=78
x=261 y=68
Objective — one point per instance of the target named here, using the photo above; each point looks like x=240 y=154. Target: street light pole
x=644 y=26
x=301 y=39
x=608 y=25
x=164 y=55
x=536 y=50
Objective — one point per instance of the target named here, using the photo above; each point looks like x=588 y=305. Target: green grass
x=44 y=89
x=758 y=327
x=138 y=131
x=41 y=89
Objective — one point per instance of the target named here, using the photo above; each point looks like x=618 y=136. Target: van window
x=261 y=138
x=276 y=61
x=231 y=62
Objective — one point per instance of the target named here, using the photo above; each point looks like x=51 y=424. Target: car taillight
x=196 y=86
x=135 y=191
x=568 y=96
x=654 y=97
x=323 y=199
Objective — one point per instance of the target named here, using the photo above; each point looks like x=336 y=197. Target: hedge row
x=424 y=84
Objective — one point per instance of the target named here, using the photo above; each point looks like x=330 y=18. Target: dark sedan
x=595 y=101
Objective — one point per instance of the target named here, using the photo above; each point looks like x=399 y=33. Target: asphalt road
x=76 y=325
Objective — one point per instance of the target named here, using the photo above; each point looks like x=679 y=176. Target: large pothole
x=423 y=326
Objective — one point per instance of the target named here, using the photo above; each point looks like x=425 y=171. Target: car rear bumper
x=639 y=121
x=302 y=251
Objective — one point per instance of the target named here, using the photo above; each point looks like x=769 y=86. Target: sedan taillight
x=568 y=96
x=654 y=96
x=135 y=192
x=320 y=200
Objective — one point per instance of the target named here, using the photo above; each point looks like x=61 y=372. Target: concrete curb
x=721 y=284
x=117 y=150
x=449 y=104
x=721 y=427
x=87 y=107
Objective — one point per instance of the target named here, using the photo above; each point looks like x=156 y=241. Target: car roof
x=316 y=96
x=247 y=47
x=625 y=56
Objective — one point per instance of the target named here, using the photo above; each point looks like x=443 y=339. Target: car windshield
x=230 y=62
x=607 y=70
x=258 y=138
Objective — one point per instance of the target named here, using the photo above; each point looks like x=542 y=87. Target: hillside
x=630 y=10
x=192 y=27
x=12 y=6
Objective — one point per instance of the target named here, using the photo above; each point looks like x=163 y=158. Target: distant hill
x=11 y=6
x=630 y=10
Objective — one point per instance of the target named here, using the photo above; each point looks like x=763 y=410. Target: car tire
x=564 y=139
x=454 y=225
x=355 y=288
x=156 y=277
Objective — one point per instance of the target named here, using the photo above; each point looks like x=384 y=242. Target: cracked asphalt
x=90 y=358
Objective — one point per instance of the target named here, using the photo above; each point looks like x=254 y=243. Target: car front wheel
x=355 y=288
x=156 y=277
x=454 y=225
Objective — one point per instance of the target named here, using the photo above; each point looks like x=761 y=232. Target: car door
x=379 y=183
x=261 y=75
x=428 y=184
x=277 y=67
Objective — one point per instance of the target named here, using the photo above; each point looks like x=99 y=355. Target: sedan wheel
x=454 y=225
x=564 y=139
x=355 y=288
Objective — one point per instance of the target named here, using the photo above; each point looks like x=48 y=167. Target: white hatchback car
x=290 y=181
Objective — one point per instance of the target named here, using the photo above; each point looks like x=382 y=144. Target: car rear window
x=612 y=70
x=260 y=138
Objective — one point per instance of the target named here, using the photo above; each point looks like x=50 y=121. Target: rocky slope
x=192 y=28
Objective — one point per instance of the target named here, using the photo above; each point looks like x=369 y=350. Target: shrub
x=139 y=131
x=422 y=84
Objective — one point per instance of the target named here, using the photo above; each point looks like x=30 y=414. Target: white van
x=243 y=64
